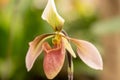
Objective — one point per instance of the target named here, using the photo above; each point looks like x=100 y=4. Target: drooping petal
x=88 y=54
x=68 y=47
x=52 y=17
x=35 y=49
x=53 y=59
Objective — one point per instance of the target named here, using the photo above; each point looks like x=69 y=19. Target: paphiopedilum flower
x=54 y=56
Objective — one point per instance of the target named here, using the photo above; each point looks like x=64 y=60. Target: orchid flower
x=54 y=57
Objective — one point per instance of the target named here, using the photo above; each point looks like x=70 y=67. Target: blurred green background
x=20 y=23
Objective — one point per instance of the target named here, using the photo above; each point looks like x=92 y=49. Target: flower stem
x=70 y=62
x=70 y=66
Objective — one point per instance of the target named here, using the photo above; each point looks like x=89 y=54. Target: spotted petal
x=53 y=59
x=88 y=54
x=35 y=49
x=52 y=17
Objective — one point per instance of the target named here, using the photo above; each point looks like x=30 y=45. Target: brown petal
x=88 y=54
x=53 y=60
x=35 y=49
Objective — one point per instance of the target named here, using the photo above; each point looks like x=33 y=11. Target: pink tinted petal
x=53 y=60
x=68 y=47
x=35 y=49
x=88 y=54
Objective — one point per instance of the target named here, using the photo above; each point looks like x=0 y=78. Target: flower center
x=57 y=38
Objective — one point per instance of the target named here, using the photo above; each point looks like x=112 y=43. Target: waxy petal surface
x=68 y=47
x=88 y=54
x=53 y=60
x=52 y=17
x=35 y=49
